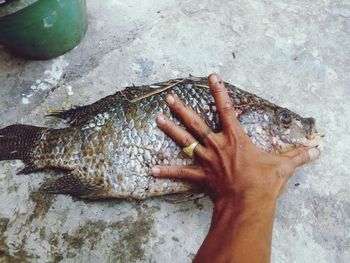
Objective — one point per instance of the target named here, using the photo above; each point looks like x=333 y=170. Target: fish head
x=276 y=129
x=289 y=130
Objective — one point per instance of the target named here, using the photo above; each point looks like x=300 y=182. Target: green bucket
x=42 y=29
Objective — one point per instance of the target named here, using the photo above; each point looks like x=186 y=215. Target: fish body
x=109 y=147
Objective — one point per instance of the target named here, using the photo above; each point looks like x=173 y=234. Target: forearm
x=241 y=231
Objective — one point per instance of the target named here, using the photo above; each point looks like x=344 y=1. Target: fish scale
x=109 y=147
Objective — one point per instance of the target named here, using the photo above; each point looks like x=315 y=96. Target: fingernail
x=314 y=154
x=160 y=120
x=170 y=99
x=214 y=78
x=155 y=171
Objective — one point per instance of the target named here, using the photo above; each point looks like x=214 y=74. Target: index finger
x=223 y=102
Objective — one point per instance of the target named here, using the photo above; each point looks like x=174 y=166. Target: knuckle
x=218 y=90
x=172 y=172
x=227 y=106
x=167 y=171
x=300 y=150
x=179 y=105
x=176 y=106
x=183 y=108
x=214 y=144
x=300 y=159
x=297 y=152
x=194 y=124
x=182 y=173
x=186 y=140
x=304 y=157
x=169 y=125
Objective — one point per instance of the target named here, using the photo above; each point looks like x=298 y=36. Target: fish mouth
x=310 y=140
x=316 y=137
x=310 y=129
x=312 y=135
x=314 y=140
x=309 y=126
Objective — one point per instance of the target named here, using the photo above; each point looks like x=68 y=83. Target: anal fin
x=76 y=184
x=183 y=197
x=29 y=168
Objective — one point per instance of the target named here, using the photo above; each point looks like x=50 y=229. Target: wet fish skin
x=110 y=145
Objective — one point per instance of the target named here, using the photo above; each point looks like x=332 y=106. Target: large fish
x=109 y=147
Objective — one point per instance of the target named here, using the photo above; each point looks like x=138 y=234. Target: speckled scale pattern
x=139 y=145
x=111 y=144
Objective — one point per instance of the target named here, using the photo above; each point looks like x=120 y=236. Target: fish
x=107 y=148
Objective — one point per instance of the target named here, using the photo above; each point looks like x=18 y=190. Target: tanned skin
x=243 y=181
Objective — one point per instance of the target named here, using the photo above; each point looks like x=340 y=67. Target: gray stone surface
x=295 y=53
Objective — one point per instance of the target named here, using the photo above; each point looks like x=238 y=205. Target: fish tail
x=18 y=142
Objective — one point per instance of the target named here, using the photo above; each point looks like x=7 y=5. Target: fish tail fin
x=18 y=142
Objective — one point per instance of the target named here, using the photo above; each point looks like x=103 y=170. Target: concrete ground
x=295 y=53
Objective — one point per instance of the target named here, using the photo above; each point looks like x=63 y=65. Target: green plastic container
x=42 y=29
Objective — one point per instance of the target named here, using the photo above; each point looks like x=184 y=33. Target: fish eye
x=285 y=118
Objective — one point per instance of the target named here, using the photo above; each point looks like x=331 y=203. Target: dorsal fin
x=79 y=115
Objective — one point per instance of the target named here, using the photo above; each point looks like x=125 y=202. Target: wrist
x=243 y=207
x=245 y=200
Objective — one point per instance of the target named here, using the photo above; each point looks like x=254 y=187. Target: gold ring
x=189 y=150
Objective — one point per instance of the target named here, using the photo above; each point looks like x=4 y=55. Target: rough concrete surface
x=295 y=53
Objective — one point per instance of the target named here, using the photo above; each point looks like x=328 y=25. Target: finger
x=177 y=133
x=188 y=116
x=191 y=172
x=224 y=104
x=296 y=151
x=305 y=157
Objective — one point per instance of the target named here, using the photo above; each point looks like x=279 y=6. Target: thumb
x=305 y=157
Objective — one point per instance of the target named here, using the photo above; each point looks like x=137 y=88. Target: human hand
x=228 y=164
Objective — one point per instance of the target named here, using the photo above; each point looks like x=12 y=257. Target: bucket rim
x=14 y=6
